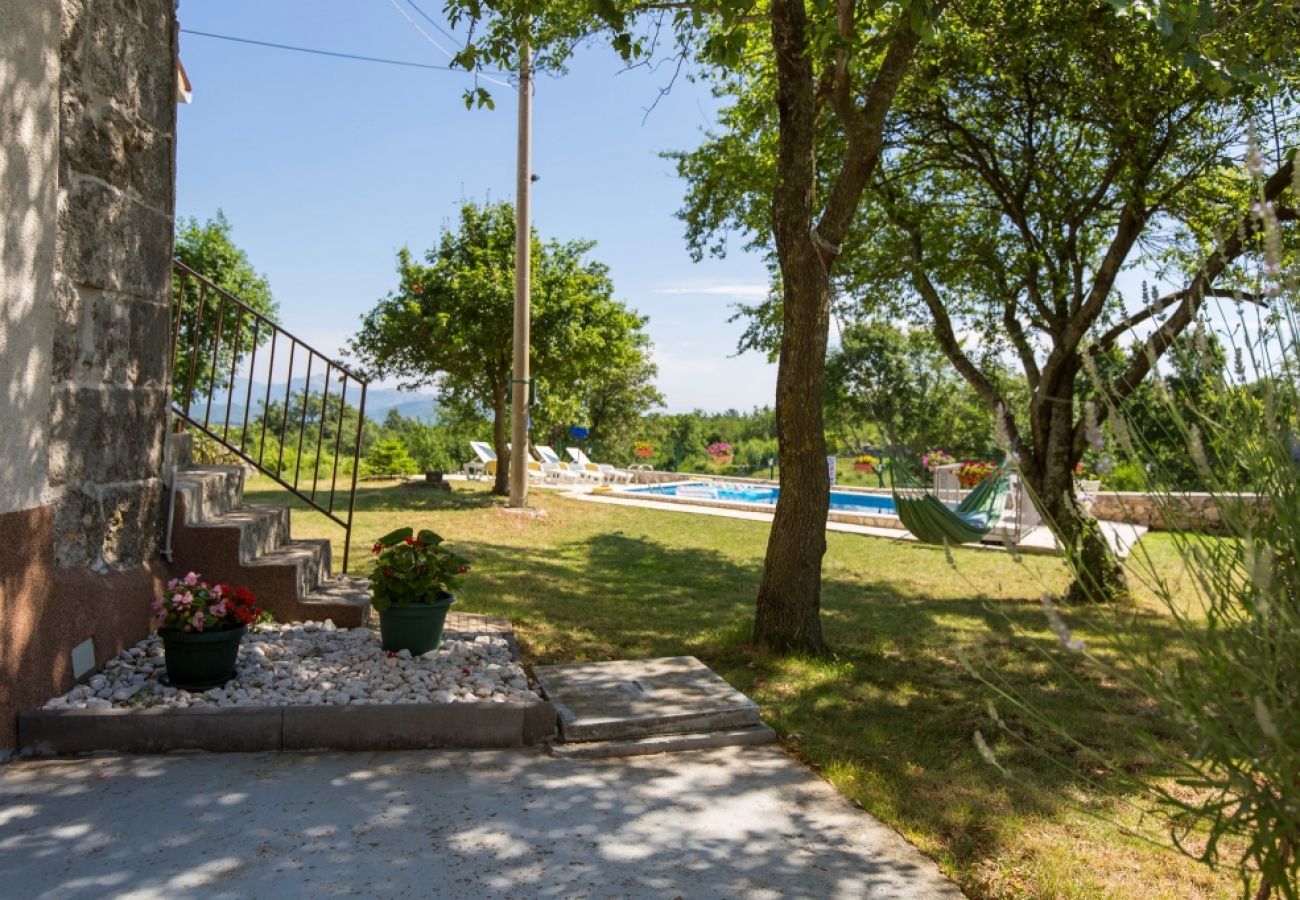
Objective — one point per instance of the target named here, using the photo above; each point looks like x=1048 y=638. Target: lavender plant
x=1229 y=681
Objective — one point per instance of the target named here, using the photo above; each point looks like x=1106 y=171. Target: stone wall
x=1194 y=511
x=87 y=173
x=117 y=123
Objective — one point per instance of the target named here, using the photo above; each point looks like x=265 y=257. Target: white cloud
x=749 y=290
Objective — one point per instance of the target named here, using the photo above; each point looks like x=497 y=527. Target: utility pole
x=520 y=381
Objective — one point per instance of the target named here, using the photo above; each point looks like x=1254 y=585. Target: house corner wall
x=87 y=173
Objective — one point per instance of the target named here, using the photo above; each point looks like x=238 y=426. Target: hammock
x=931 y=521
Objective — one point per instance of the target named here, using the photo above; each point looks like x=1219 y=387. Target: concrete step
x=626 y=700
x=204 y=492
x=261 y=529
x=345 y=599
x=665 y=743
x=308 y=557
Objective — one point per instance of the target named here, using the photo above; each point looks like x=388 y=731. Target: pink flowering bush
x=933 y=459
x=189 y=604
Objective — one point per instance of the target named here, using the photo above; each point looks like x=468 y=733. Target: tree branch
x=1229 y=249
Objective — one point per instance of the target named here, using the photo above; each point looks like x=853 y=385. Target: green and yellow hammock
x=932 y=521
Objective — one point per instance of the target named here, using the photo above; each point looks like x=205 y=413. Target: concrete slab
x=635 y=698
x=726 y=823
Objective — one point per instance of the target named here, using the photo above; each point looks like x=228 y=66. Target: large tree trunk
x=788 y=613
x=1099 y=577
x=501 y=482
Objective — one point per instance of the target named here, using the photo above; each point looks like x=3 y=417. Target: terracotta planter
x=863 y=467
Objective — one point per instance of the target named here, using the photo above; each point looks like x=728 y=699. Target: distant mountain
x=411 y=404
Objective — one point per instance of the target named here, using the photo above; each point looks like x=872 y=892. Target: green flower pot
x=416 y=626
x=199 y=660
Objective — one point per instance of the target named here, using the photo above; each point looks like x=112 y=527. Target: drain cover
x=642 y=697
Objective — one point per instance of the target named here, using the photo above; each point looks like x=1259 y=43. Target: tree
x=1037 y=152
x=834 y=70
x=900 y=383
x=208 y=249
x=1017 y=193
x=449 y=324
x=389 y=458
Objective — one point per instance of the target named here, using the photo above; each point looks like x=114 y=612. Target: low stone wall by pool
x=1193 y=511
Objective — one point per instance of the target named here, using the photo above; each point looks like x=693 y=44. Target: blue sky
x=325 y=167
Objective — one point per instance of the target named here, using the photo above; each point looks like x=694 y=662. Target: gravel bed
x=313 y=664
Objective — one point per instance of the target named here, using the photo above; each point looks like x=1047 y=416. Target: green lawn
x=887 y=718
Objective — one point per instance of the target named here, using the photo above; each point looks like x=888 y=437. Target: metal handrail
x=205 y=342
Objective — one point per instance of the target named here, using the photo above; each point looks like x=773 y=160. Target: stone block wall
x=112 y=279
x=1193 y=511
x=87 y=175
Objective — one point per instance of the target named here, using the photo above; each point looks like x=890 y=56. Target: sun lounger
x=565 y=471
x=606 y=471
x=486 y=464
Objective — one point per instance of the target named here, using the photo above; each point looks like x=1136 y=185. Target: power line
x=432 y=21
x=424 y=34
x=317 y=52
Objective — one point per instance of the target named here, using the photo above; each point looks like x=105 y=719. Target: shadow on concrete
x=722 y=823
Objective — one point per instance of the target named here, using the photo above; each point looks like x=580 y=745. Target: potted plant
x=643 y=450
x=972 y=473
x=720 y=453
x=201 y=626
x=412 y=582
x=865 y=463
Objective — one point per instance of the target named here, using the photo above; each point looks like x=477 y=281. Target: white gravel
x=313 y=664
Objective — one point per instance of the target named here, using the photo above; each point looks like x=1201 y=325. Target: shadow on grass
x=888 y=715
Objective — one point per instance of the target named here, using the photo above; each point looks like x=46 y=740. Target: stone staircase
x=218 y=535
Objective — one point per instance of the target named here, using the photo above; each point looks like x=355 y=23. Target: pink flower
x=217 y=589
x=197 y=621
x=173 y=584
x=219 y=609
x=182 y=601
x=191 y=579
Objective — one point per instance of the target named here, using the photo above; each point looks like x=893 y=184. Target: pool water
x=841 y=501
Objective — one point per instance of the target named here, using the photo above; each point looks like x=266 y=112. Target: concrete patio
x=733 y=822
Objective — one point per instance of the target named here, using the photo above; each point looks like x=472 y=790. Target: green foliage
x=449 y=323
x=412 y=569
x=389 y=458
x=896 y=388
x=208 y=249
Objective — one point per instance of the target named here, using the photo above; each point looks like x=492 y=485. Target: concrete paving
x=734 y=822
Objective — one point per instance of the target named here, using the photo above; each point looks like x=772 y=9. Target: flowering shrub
x=972 y=473
x=643 y=450
x=720 y=451
x=189 y=604
x=413 y=568
x=933 y=459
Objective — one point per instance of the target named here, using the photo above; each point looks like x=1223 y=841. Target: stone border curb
x=402 y=726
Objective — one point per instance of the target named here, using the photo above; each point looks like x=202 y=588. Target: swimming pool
x=841 y=501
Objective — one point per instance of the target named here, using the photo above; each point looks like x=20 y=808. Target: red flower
x=409 y=540
x=388 y=572
x=378 y=547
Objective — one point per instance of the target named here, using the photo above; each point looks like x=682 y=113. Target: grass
x=887 y=717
